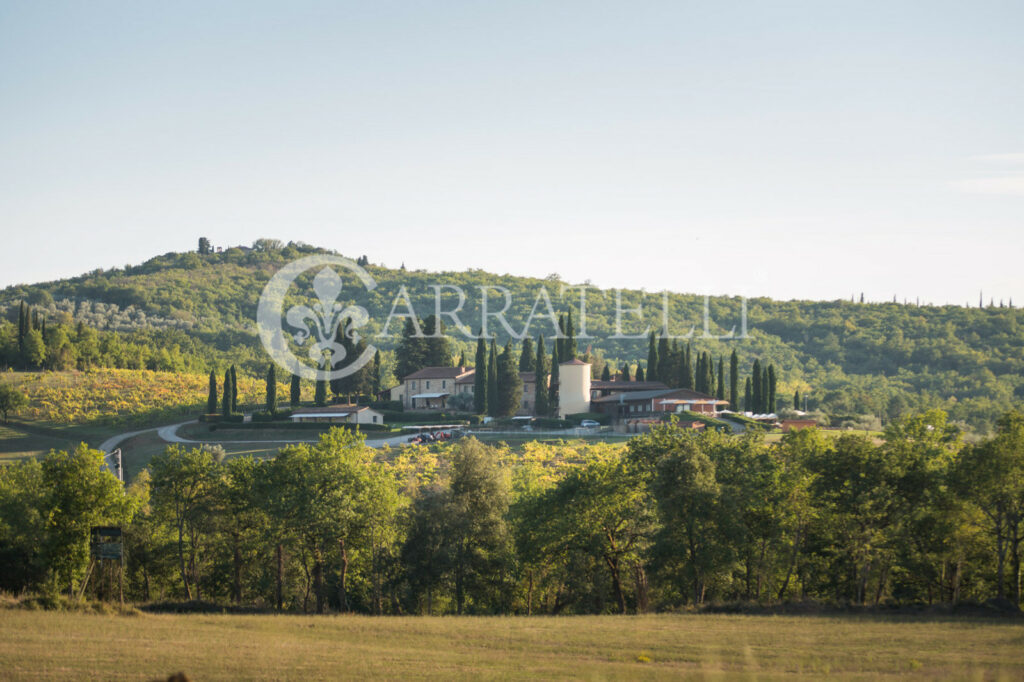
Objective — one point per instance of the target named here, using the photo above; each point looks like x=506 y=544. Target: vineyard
x=120 y=396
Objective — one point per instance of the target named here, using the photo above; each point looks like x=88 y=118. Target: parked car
x=589 y=424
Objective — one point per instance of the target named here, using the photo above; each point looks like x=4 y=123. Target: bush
x=602 y=419
x=388 y=405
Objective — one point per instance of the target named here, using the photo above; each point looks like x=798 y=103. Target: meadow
x=53 y=645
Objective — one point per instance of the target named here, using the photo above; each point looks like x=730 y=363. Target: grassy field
x=51 y=645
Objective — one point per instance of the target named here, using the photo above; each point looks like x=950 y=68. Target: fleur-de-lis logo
x=314 y=329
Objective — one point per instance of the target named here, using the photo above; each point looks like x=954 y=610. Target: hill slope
x=848 y=358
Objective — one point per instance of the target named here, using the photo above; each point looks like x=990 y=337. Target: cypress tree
x=606 y=374
x=271 y=389
x=411 y=353
x=755 y=387
x=527 y=357
x=559 y=348
x=720 y=386
x=652 y=358
x=211 y=399
x=540 y=407
x=734 y=370
x=625 y=372
x=480 y=377
x=687 y=363
x=462 y=359
x=510 y=384
x=709 y=373
x=320 y=394
x=639 y=373
x=796 y=399
x=764 y=389
x=23 y=325
x=771 y=388
x=295 y=392
x=748 y=397
x=570 y=341
x=376 y=377
x=225 y=407
x=492 y=380
x=664 y=362
x=553 y=388
x=234 y=389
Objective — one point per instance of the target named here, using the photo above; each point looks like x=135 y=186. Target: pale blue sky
x=791 y=149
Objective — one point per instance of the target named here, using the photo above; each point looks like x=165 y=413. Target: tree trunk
x=641 y=588
x=181 y=561
x=529 y=595
x=613 y=568
x=237 y=559
x=342 y=589
x=280 y=577
x=318 y=583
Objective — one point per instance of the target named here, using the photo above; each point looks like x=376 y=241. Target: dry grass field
x=59 y=646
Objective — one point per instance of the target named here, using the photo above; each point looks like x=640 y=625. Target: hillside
x=860 y=362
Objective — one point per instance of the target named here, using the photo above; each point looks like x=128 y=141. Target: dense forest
x=671 y=519
x=860 y=362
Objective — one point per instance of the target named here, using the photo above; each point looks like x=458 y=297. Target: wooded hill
x=858 y=362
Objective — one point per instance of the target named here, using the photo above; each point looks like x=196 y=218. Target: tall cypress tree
x=211 y=399
x=639 y=373
x=553 y=388
x=570 y=341
x=709 y=373
x=376 y=377
x=559 y=348
x=606 y=374
x=225 y=407
x=271 y=389
x=687 y=363
x=492 y=380
x=510 y=384
x=540 y=407
x=652 y=358
x=234 y=389
x=664 y=362
x=796 y=399
x=734 y=379
x=527 y=356
x=764 y=389
x=625 y=372
x=462 y=359
x=748 y=396
x=320 y=394
x=771 y=388
x=480 y=377
x=295 y=392
x=755 y=387
x=720 y=386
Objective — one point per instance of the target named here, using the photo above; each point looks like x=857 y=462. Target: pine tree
x=480 y=377
x=225 y=407
x=320 y=394
x=748 y=397
x=437 y=346
x=492 y=380
x=606 y=374
x=411 y=353
x=755 y=379
x=652 y=358
x=271 y=389
x=540 y=407
x=295 y=392
x=211 y=399
x=771 y=388
x=234 y=389
x=510 y=384
x=527 y=356
x=553 y=388
x=734 y=379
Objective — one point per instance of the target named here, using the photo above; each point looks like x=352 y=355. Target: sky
x=798 y=150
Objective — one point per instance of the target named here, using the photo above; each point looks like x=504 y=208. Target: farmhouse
x=338 y=414
x=431 y=387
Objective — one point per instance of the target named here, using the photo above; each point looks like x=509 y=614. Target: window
x=428 y=384
x=375 y=419
x=444 y=384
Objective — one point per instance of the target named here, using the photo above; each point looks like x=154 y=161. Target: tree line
x=673 y=518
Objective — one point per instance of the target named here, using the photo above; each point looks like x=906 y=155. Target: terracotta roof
x=626 y=385
x=677 y=393
x=468 y=378
x=437 y=373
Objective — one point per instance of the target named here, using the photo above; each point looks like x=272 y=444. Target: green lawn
x=59 y=646
x=20 y=438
